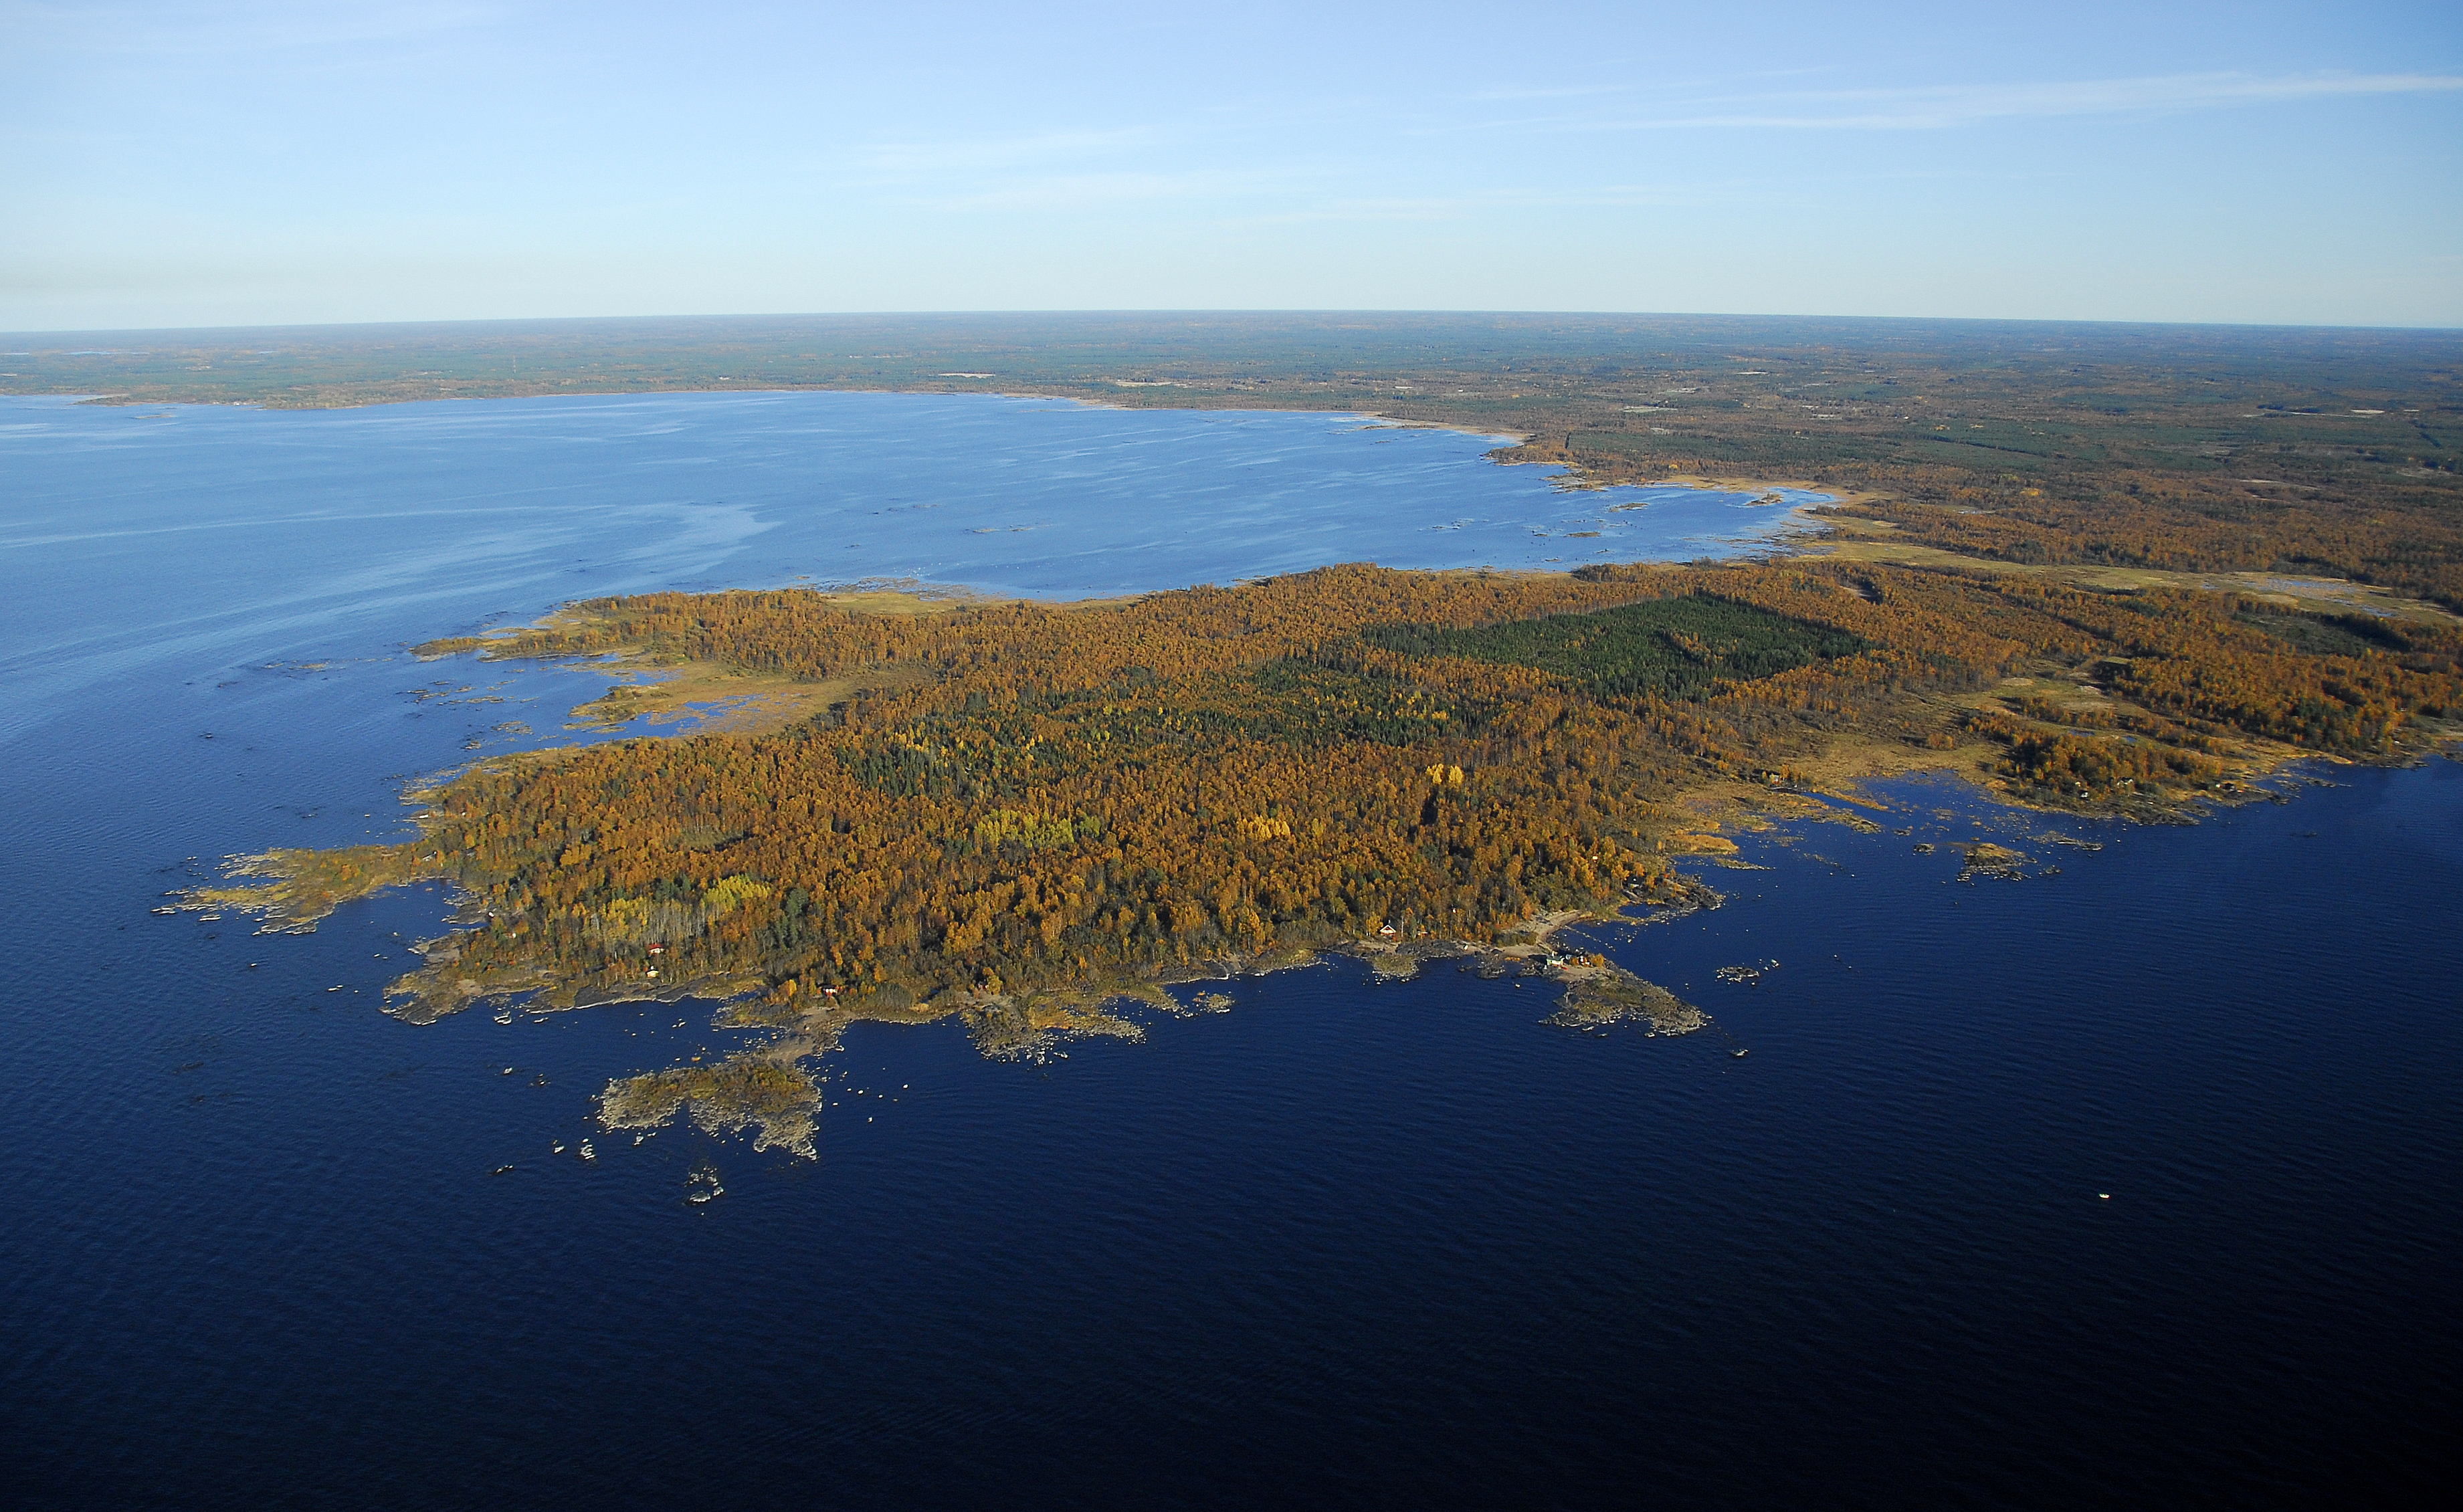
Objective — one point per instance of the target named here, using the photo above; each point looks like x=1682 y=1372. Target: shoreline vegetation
x=1021 y=814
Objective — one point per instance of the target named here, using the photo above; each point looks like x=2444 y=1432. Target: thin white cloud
x=1471 y=205
x=1939 y=107
x=975 y=155
x=1553 y=92
x=1657 y=84
x=1093 y=190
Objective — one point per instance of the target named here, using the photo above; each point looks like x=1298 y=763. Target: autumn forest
x=1027 y=799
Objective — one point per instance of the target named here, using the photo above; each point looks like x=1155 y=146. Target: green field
x=1674 y=647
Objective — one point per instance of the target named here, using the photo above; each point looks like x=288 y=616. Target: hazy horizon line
x=1163 y=313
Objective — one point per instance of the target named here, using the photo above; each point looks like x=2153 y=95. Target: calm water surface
x=1343 y=1242
x=150 y=538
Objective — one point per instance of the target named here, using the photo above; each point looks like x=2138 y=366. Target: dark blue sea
x=2135 y=1180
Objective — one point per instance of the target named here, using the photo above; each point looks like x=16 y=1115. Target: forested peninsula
x=1019 y=811
x=2102 y=568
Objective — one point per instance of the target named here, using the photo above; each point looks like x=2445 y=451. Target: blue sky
x=205 y=164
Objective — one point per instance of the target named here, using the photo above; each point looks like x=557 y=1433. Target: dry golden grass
x=298 y=888
x=673 y=698
x=1855 y=540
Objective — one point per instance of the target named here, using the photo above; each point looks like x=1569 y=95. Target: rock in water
x=1985 y=859
x=1612 y=995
